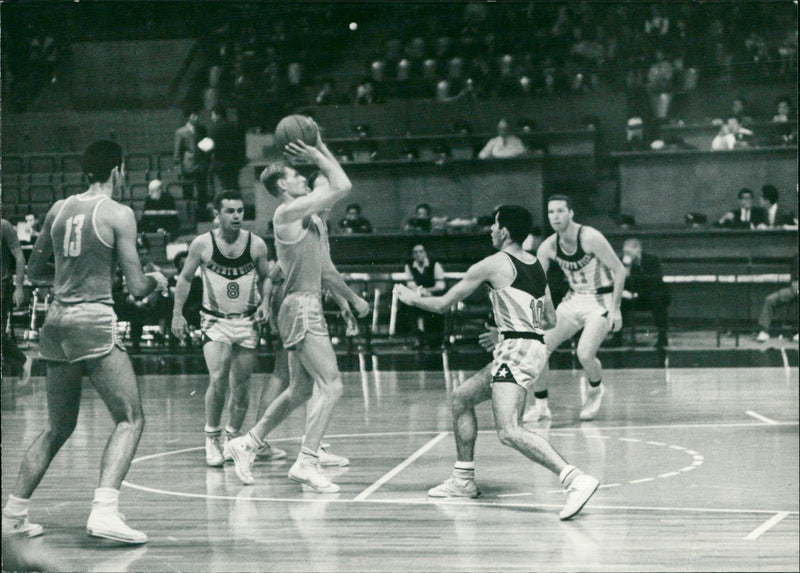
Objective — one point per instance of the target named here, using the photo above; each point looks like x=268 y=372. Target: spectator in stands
x=354 y=221
x=644 y=289
x=745 y=216
x=159 y=214
x=783 y=112
x=506 y=145
x=138 y=311
x=33 y=227
x=190 y=161
x=776 y=216
x=731 y=136
x=421 y=221
x=425 y=275
x=781 y=297
x=739 y=110
x=228 y=153
x=13 y=294
x=634 y=135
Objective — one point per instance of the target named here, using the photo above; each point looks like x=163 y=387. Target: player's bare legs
x=474 y=391
x=63 y=386
x=114 y=379
x=594 y=332
x=218 y=356
x=319 y=359
x=277 y=382
x=242 y=362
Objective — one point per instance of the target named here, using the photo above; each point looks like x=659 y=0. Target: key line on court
x=758 y=416
x=407 y=462
x=767 y=525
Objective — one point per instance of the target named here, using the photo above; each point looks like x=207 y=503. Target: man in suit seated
x=644 y=290
x=745 y=216
x=776 y=216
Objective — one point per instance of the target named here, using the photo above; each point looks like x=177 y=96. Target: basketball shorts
x=75 y=332
x=241 y=331
x=579 y=307
x=518 y=361
x=301 y=314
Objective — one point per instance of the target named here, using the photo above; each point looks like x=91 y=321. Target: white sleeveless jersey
x=519 y=307
x=584 y=271
x=230 y=285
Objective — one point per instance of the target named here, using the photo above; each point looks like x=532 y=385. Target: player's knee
x=56 y=436
x=461 y=403
x=585 y=355
x=334 y=389
x=508 y=435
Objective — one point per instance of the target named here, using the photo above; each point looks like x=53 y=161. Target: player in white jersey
x=234 y=269
x=523 y=311
x=596 y=279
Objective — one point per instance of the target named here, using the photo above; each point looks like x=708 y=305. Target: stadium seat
x=42 y=169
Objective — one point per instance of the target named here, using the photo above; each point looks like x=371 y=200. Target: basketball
x=294 y=127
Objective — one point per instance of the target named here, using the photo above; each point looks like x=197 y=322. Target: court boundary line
x=399 y=468
x=472 y=503
x=758 y=416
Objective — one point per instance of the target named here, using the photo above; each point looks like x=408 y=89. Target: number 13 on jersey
x=73 y=236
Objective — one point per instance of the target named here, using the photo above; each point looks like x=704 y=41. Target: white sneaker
x=328 y=459
x=453 y=487
x=763 y=336
x=243 y=456
x=796 y=337
x=591 y=404
x=110 y=524
x=310 y=474
x=579 y=492
x=13 y=526
x=214 y=457
x=270 y=453
x=539 y=411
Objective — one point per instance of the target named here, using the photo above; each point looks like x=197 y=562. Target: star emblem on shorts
x=504 y=374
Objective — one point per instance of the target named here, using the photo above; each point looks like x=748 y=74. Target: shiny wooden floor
x=699 y=470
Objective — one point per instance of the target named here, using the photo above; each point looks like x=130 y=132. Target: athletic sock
x=464 y=470
x=16 y=506
x=255 y=441
x=568 y=474
x=595 y=384
x=107 y=496
x=213 y=432
x=230 y=432
x=310 y=455
x=540 y=395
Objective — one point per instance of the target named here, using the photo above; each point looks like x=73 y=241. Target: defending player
x=235 y=269
x=523 y=310
x=86 y=234
x=596 y=279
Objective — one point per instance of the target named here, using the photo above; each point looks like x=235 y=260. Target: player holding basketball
x=302 y=253
x=596 y=279
x=523 y=311
x=279 y=379
x=235 y=269
x=86 y=234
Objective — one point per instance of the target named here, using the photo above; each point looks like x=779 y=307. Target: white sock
x=106 y=496
x=16 y=506
x=255 y=441
x=304 y=451
x=211 y=430
x=464 y=470
x=568 y=474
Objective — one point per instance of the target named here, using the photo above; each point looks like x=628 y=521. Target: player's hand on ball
x=361 y=307
x=616 y=324
x=302 y=152
x=489 y=339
